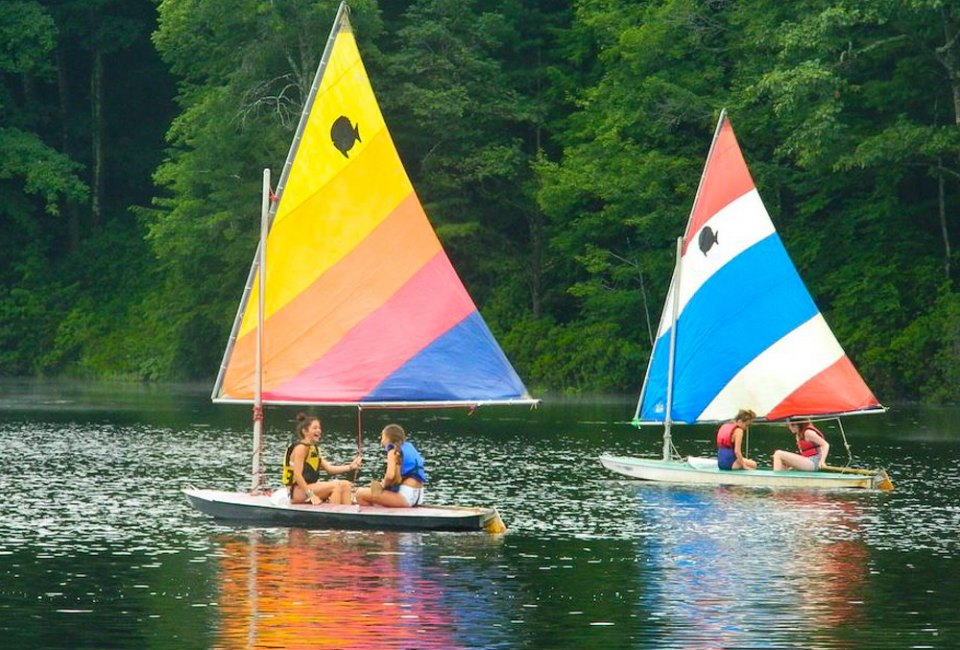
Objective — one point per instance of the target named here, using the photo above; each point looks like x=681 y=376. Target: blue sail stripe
x=466 y=363
x=745 y=307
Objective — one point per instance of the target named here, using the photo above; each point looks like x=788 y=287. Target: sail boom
x=408 y=404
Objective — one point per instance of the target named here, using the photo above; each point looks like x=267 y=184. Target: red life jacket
x=725 y=435
x=808 y=448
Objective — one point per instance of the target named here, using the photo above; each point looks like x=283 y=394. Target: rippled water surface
x=98 y=549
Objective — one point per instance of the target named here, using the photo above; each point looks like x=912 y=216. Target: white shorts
x=414 y=496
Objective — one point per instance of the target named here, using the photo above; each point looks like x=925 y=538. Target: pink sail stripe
x=431 y=303
x=725 y=179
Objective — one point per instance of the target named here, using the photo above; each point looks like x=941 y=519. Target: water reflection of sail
x=748 y=570
x=300 y=589
x=831 y=555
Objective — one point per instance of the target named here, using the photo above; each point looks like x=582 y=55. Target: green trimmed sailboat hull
x=704 y=471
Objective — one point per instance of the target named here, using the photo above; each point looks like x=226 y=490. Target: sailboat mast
x=668 y=416
x=256 y=472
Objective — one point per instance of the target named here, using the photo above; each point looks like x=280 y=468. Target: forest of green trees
x=556 y=146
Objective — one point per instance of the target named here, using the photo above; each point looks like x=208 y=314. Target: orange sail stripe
x=420 y=313
x=838 y=389
x=310 y=324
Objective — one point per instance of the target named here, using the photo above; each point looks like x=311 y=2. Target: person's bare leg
x=323 y=490
x=345 y=488
x=391 y=500
x=363 y=497
x=785 y=459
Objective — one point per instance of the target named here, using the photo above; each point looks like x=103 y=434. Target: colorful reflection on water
x=748 y=568
x=306 y=589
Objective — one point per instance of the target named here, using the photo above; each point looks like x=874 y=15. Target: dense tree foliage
x=556 y=145
x=84 y=103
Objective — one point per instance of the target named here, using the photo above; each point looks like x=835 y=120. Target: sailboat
x=739 y=330
x=351 y=301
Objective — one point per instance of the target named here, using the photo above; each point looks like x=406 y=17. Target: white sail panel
x=778 y=372
x=738 y=226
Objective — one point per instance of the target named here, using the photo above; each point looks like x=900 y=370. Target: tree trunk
x=536 y=261
x=536 y=220
x=96 y=106
x=942 y=202
x=948 y=57
x=63 y=91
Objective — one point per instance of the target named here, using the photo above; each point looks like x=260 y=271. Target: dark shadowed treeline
x=556 y=146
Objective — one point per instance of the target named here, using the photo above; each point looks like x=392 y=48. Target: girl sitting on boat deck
x=402 y=485
x=730 y=439
x=812 y=445
x=302 y=464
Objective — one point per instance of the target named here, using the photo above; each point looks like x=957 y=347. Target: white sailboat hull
x=262 y=510
x=704 y=471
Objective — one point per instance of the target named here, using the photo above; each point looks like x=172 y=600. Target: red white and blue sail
x=748 y=334
x=361 y=303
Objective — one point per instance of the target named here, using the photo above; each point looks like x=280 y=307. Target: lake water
x=98 y=548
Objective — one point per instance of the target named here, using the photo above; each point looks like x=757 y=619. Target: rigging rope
x=356 y=472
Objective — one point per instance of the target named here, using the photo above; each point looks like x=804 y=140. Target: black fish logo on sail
x=707 y=239
x=344 y=135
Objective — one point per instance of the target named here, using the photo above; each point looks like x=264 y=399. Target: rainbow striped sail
x=361 y=304
x=747 y=333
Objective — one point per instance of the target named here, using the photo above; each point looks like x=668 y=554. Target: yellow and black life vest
x=311 y=464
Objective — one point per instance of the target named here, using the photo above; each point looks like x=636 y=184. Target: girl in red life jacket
x=812 y=445
x=729 y=439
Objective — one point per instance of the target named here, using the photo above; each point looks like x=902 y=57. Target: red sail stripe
x=725 y=179
x=838 y=389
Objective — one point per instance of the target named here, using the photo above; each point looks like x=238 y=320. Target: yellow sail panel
x=345 y=178
x=322 y=230
x=344 y=102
